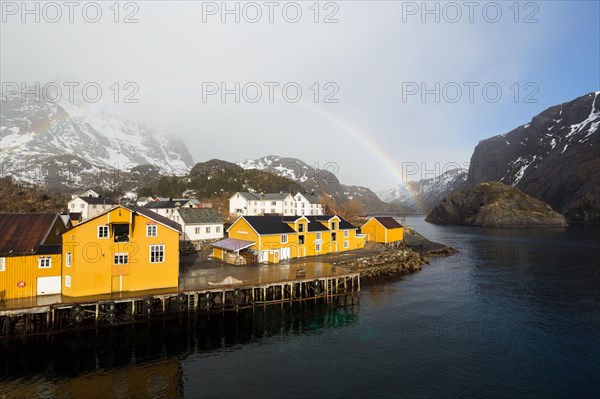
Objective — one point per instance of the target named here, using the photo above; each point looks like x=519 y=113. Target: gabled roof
x=154 y=216
x=311 y=198
x=199 y=216
x=388 y=222
x=167 y=204
x=263 y=197
x=98 y=200
x=268 y=224
x=24 y=232
x=344 y=224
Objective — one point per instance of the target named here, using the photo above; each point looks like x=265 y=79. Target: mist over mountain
x=77 y=144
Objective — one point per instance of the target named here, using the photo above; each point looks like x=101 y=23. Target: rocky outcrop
x=494 y=204
x=387 y=263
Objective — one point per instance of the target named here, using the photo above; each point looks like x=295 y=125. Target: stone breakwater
x=388 y=263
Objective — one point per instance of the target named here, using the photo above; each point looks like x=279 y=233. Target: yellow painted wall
x=93 y=270
x=376 y=232
x=241 y=230
x=25 y=268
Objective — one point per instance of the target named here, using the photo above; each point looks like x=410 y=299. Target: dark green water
x=515 y=314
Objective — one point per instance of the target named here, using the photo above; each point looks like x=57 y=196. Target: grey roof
x=312 y=198
x=167 y=204
x=98 y=201
x=265 y=197
x=232 y=244
x=199 y=215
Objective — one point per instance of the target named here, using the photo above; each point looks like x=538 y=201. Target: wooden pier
x=96 y=314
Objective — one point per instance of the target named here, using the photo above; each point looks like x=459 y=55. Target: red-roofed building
x=30 y=254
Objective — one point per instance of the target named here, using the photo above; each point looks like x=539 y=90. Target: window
x=346 y=244
x=333 y=236
x=2 y=264
x=284 y=238
x=318 y=235
x=301 y=227
x=208 y=230
x=197 y=230
x=82 y=206
x=333 y=226
x=272 y=210
x=151 y=230
x=45 y=262
x=67 y=281
x=301 y=239
x=94 y=206
x=273 y=203
x=121 y=258
x=121 y=232
x=69 y=259
x=102 y=231
x=303 y=205
x=262 y=210
x=317 y=247
x=346 y=233
x=157 y=253
x=218 y=228
x=72 y=206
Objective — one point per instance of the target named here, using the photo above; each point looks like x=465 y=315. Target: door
x=284 y=253
x=120 y=283
x=48 y=285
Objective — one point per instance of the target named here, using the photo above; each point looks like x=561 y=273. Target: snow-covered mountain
x=77 y=145
x=554 y=158
x=322 y=181
x=421 y=196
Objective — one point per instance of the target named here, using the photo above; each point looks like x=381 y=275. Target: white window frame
x=67 y=281
x=69 y=259
x=198 y=230
x=318 y=247
x=346 y=233
x=2 y=264
x=103 y=228
x=318 y=235
x=151 y=230
x=157 y=248
x=44 y=262
x=218 y=228
x=121 y=258
x=207 y=230
x=284 y=238
x=346 y=244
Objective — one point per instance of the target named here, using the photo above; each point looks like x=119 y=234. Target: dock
x=266 y=285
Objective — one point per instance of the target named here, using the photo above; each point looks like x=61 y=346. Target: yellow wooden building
x=123 y=249
x=383 y=229
x=276 y=238
x=30 y=254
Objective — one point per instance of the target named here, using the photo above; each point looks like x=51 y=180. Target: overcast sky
x=375 y=61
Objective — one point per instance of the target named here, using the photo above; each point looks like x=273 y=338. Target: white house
x=87 y=193
x=90 y=207
x=308 y=204
x=251 y=204
x=167 y=208
x=199 y=224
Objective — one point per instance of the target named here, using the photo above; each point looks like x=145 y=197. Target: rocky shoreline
x=391 y=262
x=397 y=259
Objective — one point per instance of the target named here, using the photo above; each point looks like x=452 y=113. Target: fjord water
x=515 y=314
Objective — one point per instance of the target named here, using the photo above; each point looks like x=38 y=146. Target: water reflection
x=145 y=360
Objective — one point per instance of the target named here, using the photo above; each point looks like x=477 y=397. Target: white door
x=48 y=285
x=284 y=253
